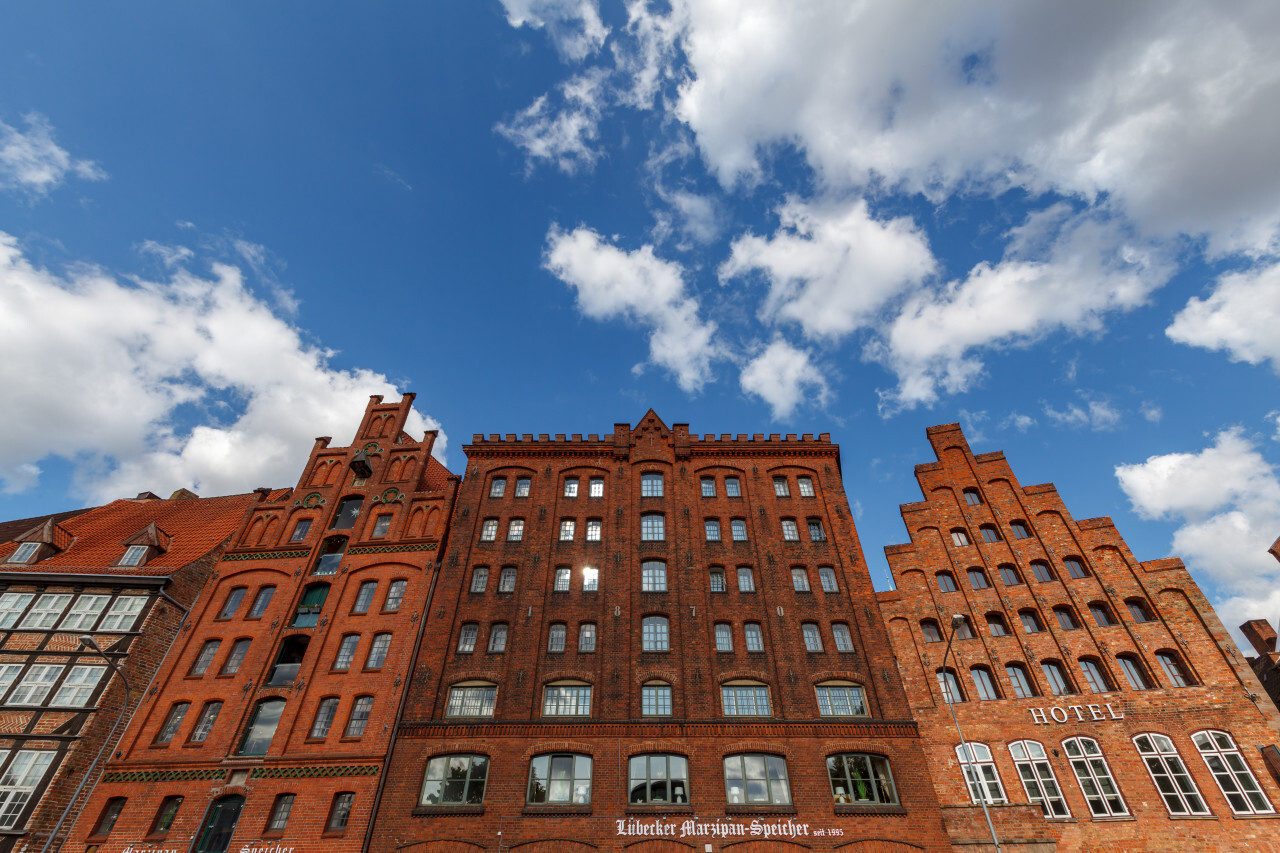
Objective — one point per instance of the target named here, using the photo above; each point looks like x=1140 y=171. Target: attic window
x=134 y=555
x=25 y=552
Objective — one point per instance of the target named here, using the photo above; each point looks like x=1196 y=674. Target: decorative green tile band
x=304 y=772
x=163 y=775
x=391 y=549
x=270 y=555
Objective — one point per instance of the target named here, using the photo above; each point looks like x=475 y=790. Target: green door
x=220 y=825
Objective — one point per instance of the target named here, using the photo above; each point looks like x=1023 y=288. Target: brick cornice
x=631 y=730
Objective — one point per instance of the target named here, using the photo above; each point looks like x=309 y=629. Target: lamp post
x=86 y=640
x=956 y=621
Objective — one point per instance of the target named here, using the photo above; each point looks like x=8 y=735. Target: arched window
x=1023 y=686
x=989 y=533
x=1171 y=663
x=929 y=628
x=262 y=727
x=653 y=527
x=655 y=699
x=959 y=537
x=497 y=638
x=467 y=635
x=950 y=685
x=1066 y=618
x=310 y=605
x=972 y=497
x=361 y=709
x=745 y=699
x=1075 y=567
x=1234 y=778
x=229 y=607
x=841 y=699
x=567 y=699
x=985 y=684
x=655 y=634
x=717 y=579
x=653 y=576
x=980 y=773
x=348 y=512
x=658 y=778
x=1009 y=575
x=471 y=699
x=507 y=579
x=497 y=487
x=289 y=660
x=454 y=780
x=1095 y=675
x=556 y=637
x=859 y=779
x=1041 y=570
x=844 y=639
x=812 y=637
x=330 y=556
x=219 y=825
x=978 y=579
x=1056 y=674
x=799 y=579
x=587 y=637
x=1094 y=776
x=1138 y=609
x=1038 y=779
x=479 y=578
x=724 y=637
x=1030 y=621
x=1134 y=672
x=1176 y=787
x=752 y=778
x=1020 y=529
x=560 y=778
x=996 y=625
x=946 y=583
x=964 y=630
x=1101 y=613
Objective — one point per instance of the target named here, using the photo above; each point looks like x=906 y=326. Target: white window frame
x=1038 y=779
x=653 y=576
x=708 y=487
x=805 y=485
x=471 y=700
x=724 y=637
x=1169 y=774
x=489 y=530
x=841 y=700
x=497 y=487
x=843 y=637
x=648 y=489
x=347 y=648
x=812 y=637
x=568 y=527
x=738 y=529
x=467 y=635
x=563 y=579
x=949 y=684
x=557 y=636
x=507 y=579
x=1094 y=774
x=35 y=686
x=123 y=613
x=711 y=527
x=800 y=579
x=20 y=781
x=44 y=614
x=754 y=636
x=498 y=638
x=11 y=606
x=827 y=577
x=655 y=634
x=378 y=650
x=790 y=532
x=595 y=528
x=522 y=486
x=981 y=776
x=570 y=487
x=746 y=579
x=817 y=533
x=84 y=612
x=134 y=555
x=479 y=578
x=566 y=700
x=24 y=552
x=745 y=700
x=1226 y=762
x=587 y=637
x=781 y=489
x=595 y=487
x=732 y=487
x=653 y=527
x=655 y=700
x=515 y=530
x=78 y=686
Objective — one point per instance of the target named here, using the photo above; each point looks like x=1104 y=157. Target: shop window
x=753 y=779
x=860 y=779
x=562 y=778
x=657 y=779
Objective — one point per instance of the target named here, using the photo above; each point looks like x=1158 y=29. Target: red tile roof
x=195 y=526
x=437 y=475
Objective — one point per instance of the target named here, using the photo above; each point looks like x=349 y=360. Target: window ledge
x=568 y=808
x=1272 y=816
x=771 y=808
x=870 y=808
x=1193 y=817
x=659 y=808
x=431 y=811
x=1117 y=818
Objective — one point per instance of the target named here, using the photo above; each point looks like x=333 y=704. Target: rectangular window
x=816 y=533
x=732 y=488
x=708 y=487
x=655 y=700
x=479 y=578
x=650 y=485
x=713 y=530
x=359 y=719
x=300 y=530
x=738 y=526
x=378 y=651
x=85 y=612
x=123 y=613
x=841 y=701
x=507 y=580
x=556 y=637
x=489 y=530
x=340 y=812
x=827 y=576
x=204 y=725
x=46 y=611
x=717 y=580
x=1038 y=779
x=346 y=652
x=522 y=487
x=78 y=686
x=467 y=638
x=172 y=722
x=593 y=529
x=790 y=532
x=799 y=580
x=8 y=673
x=498 y=487
x=262 y=727
x=812 y=637
x=20 y=781
x=746 y=580
x=471 y=701
x=564 y=576
x=498 y=639
x=755 y=640
x=381 y=526
x=590 y=579
x=844 y=640
x=454 y=780
x=133 y=555
x=1075 y=568
x=655 y=635
x=23 y=553
x=260 y=602
x=325 y=712
x=560 y=779
x=751 y=779
x=745 y=701
x=570 y=487
x=515 y=530
x=235 y=657
x=596 y=487
x=1095 y=778
x=205 y=658
x=566 y=530
x=364 y=597
x=280 y=811
x=586 y=637
x=780 y=487
x=806 y=486
x=724 y=637
x=653 y=576
x=1009 y=575
x=652 y=528
x=566 y=700
x=989 y=534
x=11 y=606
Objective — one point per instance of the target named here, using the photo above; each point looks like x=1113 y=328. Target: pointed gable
x=49 y=533
x=151 y=535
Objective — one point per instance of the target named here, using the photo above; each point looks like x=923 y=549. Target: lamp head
x=86 y=640
x=957 y=620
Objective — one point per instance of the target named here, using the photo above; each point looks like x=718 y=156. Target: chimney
x=1261 y=635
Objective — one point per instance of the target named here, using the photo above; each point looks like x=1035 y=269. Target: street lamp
x=86 y=640
x=956 y=621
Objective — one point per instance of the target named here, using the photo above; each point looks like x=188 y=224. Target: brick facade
x=61 y=702
x=587 y=575
x=1036 y=587
x=349 y=556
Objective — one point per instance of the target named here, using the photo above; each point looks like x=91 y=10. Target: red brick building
x=651 y=640
x=269 y=724
x=121 y=574
x=1104 y=703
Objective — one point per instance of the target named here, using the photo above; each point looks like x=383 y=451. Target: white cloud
x=1171 y=110
x=1152 y=412
x=169 y=255
x=574 y=26
x=783 y=376
x=1020 y=422
x=1241 y=316
x=111 y=376
x=1226 y=499
x=32 y=162
x=1062 y=271
x=1095 y=414
x=831 y=268
x=641 y=287
x=971 y=423
x=647 y=56
x=564 y=136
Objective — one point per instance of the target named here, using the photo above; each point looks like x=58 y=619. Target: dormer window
x=134 y=555
x=24 y=553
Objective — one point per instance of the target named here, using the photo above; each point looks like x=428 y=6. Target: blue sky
x=222 y=226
